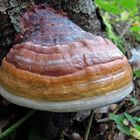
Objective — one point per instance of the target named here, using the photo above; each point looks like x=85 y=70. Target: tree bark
x=82 y=12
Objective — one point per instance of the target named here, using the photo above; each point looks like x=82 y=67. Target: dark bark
x=9 y=16
x=82 y=12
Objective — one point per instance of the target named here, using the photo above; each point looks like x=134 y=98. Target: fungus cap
x=57 y=66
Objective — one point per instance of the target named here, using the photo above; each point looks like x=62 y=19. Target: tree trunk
x=82 y=12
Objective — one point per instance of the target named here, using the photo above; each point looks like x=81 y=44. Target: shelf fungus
x=57 y=66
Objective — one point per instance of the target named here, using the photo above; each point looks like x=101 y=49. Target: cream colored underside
x=69 y=106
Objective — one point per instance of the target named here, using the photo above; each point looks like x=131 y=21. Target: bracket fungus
x=57 y=66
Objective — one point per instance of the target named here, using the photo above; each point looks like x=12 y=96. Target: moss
x=114 y=37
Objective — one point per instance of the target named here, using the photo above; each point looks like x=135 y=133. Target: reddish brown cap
x=56 y=63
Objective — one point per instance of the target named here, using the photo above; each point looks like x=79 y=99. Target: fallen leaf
x=135 y=133
x=120 y=136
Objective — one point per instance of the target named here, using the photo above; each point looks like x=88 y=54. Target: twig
x=126 y=29
x=135 y=109
x=103 y=120
x=17 y=124
x=119 y=107
x=89 y=125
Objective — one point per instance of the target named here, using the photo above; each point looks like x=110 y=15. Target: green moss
x=112 y=36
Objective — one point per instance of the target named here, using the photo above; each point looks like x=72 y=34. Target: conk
x=57 y=66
